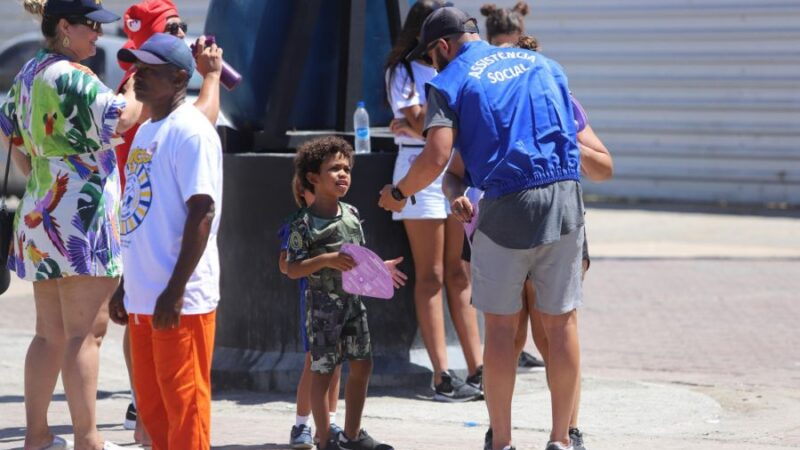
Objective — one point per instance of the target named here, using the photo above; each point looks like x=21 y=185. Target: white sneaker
x=107 y=445
x=130 y=418
x=555 y=445
x=59 y=443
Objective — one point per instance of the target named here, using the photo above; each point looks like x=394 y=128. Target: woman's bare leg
x=84 y=307
x=426 y=238
x=43 y=363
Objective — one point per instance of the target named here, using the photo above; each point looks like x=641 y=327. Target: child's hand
x=398 y=277
x=340 y=261
x=462 y=209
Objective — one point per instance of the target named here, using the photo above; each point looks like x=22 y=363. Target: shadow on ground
x=254 y=447
x=13 y=434
x=259 y=398
x=696 y=208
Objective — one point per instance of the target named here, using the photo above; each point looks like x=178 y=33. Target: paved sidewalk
x=689 y=334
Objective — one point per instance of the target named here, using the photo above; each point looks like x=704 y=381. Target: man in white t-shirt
x=169 y=221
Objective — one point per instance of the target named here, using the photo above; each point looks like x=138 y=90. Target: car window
x=12 y=60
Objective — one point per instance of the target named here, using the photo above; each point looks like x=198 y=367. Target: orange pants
x=172 y=379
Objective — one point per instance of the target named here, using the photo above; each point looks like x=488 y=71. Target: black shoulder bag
x=6 y=226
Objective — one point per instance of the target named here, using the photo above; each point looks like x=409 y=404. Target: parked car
x=16 y=52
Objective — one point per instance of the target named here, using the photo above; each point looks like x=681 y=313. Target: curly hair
x=311 y=155
x=297 y=192
x=504 y=20
x=529 y=43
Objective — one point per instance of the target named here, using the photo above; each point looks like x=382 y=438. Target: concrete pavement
x=689 y=338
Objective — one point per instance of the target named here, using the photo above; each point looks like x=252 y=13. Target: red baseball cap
x=144 y=19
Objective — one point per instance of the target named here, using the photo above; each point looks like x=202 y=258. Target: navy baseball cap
x=91 y=9
x=441 y=23
x=161 y=48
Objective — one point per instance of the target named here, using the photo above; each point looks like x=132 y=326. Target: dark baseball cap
x=161 y=48
x=91 y=9
x=441 y=23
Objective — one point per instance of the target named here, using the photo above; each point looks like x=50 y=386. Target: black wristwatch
x=397 y=194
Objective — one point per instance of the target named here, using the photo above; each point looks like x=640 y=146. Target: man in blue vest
x=507 y=112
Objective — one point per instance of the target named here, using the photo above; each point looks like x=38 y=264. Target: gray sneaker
x=529 y=363
x=301 y=437
x=454 y=390
x=487 y=442
x=363 y=442
x=476 y=379
x=557 y=446
x=576 y=437
x=332 y=444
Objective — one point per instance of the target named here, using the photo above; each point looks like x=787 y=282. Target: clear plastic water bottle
x=361 y=125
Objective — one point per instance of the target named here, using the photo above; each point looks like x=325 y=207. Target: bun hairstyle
x=49 y=23
x=504 y=20
x=488 y=9
x=529 y=43
x=521 y=8
x=34 y=7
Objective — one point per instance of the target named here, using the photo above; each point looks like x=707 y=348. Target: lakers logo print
x=138 y=195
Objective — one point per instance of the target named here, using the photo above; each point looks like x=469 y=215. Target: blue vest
x=516 y=128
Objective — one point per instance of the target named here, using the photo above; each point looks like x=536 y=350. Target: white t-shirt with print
x=170 y=161
x=400 y=95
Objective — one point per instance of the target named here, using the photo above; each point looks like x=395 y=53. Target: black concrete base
x=258 y=320
x=280 y=372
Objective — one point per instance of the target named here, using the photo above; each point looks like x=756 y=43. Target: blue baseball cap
x=442 y=22
x=91 y=9
x=161 y=48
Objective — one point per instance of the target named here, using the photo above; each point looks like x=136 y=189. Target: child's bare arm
x=303 y=268
x=283 y=265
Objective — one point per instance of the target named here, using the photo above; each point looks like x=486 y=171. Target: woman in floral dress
x=62 y=122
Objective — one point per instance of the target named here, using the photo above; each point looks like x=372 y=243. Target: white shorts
x=431 y=202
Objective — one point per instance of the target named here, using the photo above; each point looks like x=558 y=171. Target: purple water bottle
x=229 y=78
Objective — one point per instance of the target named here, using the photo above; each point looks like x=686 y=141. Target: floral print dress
x=61 y=115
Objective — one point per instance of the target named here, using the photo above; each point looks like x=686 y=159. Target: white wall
x=697 y=99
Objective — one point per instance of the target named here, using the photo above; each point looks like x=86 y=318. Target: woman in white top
x=436 y=238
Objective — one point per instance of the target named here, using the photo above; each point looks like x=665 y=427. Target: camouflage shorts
x=337 y=331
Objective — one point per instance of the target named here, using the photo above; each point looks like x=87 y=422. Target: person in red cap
x=140 y=22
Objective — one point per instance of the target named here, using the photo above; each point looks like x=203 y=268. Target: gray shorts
x=499 y=273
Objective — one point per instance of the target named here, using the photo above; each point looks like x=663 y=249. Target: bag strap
x=5 y=180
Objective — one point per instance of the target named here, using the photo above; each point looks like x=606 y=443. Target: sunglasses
x=80 y=20
x=173 y=27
